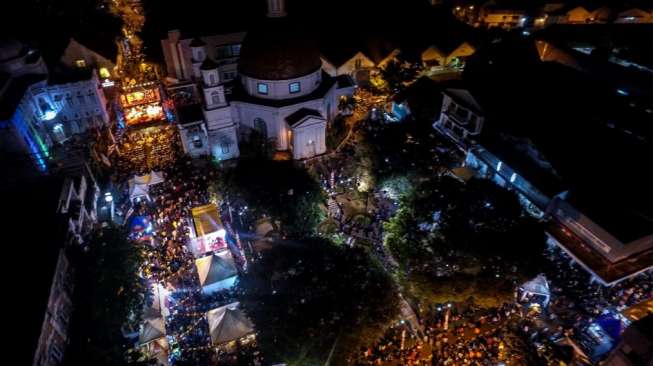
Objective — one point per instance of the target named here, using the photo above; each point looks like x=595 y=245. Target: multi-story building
x=461 y=117
x=38 y=111
x=611 y=246
x=282 y=92
x=53 y=338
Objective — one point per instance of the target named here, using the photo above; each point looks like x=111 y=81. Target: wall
x=314 y=130
x=54 y=331
x=279 y=89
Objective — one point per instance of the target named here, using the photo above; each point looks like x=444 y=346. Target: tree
x=459 y=239
x=108 y=294
x=304 y=296
x=279 y=189
x=396 y=73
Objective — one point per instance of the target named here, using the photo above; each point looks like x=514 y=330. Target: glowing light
x=104 y=73
x=49 y=115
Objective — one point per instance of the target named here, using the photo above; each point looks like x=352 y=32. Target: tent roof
x=538 y=285
x=206 y=219
x=138 y=189
x=156 y=178
x=152 y=329
x=228 y=323
x=149 y=179
x=215 y=268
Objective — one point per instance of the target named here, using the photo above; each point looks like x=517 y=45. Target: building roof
x=206 y=219
x=208 y=64
x=523 y=156
x=608 y=272
x=278 y=50
x=238 y=93
x=464 y=97
x=594 y=138
x=15 y=92
x=228 y=323
x=10 y=48
x=300 y=114
x=152 y=329
x=197 y=42
x=215 y=268
x=190 y=114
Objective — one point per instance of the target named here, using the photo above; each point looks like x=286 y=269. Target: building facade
x=461 y=117
x=39 y=111
x=53 y=339
x=281 y=93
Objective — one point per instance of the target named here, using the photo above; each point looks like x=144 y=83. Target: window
x=81 y=63
x=54 y=353
x=225 y=148
x=197 y=141
x=294 y=87
x=58 y=132
x=262 y=88
x=232 y=50
x=104 y=73
x=215 y=98
x=212 y=79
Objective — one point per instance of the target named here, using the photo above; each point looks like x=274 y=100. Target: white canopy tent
x=536 y=289
x=216 y=271
x=150 y=179
x=228 y=323
x=151 y=330
x=138 y=190
x=152 y=338
x=139 y=186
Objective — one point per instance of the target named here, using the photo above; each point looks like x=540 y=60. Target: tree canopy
x=475 y=233
x=279 y=189
x=306 y=297
x=109 y=294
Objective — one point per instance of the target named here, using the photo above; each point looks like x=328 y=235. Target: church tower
x=213 y=90
x=198 y=49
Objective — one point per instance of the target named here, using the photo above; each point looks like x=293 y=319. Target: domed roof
x=10 y=48
x=278 y=50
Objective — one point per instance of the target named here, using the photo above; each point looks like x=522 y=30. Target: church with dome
x=273 y=85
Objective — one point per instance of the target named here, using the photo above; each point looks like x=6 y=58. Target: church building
x=280 y=92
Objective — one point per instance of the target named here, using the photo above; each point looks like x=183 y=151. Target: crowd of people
x=474 y=337
x=148 y=148
x=453 y=334
x=171 y=263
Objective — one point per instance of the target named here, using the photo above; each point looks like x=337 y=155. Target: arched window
x=58 y=132
x=212 y=79
x=261 y=127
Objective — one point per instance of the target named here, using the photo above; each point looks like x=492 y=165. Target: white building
x=78 y=204
x=37 y=110
x=282 y=92
x=461 y=117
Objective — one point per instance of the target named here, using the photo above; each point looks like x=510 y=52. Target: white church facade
x=280 y=92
